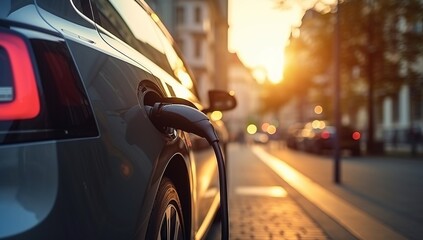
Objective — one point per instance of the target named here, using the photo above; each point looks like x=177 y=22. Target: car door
x=114 y=169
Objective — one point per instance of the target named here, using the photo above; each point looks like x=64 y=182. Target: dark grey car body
x=89 y=165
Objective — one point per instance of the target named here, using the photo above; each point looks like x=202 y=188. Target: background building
x=200 y=28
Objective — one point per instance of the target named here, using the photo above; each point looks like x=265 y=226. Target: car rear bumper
x=29 y=185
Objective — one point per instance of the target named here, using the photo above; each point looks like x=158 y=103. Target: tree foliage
x=380 y=39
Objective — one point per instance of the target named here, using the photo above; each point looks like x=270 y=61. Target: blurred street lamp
x=370 y=76
x=337 y=98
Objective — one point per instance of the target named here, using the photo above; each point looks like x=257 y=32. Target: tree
x=385 y=47
x=380 y=40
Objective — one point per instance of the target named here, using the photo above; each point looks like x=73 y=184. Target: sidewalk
x=261 y=205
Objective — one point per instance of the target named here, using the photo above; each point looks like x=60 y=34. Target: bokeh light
x=318 y=109
x=316 y=124
x=271 y=129
x=251 y=129
x=216 y=115
x=356 y=135
x=264 y=126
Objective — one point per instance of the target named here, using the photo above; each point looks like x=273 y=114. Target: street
x=379 y=198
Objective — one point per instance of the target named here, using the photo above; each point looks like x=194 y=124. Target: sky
x=258 y=33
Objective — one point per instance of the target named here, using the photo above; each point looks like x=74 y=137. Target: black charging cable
x=189 y=119
x=223 y=190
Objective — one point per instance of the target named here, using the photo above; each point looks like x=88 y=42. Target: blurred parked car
x=260 y=138
x=80 y=157
x=292 y=135
x=318 y=137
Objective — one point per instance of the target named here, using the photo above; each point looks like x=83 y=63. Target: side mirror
x=220 y=101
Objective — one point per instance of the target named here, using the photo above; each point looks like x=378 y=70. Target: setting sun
x=274 y=65
x=258 y=32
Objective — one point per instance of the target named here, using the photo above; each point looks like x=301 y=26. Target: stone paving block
x=258 y=217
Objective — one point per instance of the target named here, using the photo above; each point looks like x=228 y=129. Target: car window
x=142 y=30
x=63 y=9
x=180 y=71
x=128 y=21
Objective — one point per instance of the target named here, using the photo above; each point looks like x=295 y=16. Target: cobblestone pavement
x=259 y=207
x=255 y=217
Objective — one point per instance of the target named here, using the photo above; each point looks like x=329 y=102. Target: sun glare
x=275 y=67
x=270 y=67
x=262 y=43
x=259 y=74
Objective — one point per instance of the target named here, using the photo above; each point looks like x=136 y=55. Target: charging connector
x=189 y=119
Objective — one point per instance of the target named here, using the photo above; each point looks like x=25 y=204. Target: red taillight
x=19 y=99
x=325 y=135
x=356 y=135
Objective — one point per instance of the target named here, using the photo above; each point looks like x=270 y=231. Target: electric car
x=80 y=155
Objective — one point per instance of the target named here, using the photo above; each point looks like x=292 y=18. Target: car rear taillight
x=19 y=97
x=325 y=135
x=42 y=96
x=356 y=135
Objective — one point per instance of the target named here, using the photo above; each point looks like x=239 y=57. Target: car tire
x=166 y=220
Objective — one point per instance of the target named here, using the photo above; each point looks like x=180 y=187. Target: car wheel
x=166 y=221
